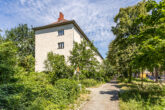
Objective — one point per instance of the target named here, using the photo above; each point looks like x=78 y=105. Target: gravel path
x=104 y=97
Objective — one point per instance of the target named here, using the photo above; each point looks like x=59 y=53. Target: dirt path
x=104 y=97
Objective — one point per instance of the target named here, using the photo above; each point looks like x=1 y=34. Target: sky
x=95 y=17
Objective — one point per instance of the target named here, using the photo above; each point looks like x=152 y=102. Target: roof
x=65 y=22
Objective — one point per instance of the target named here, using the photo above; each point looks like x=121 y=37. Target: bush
x=42 y=104
x=39 y=87
x=49 y=98
x=24 y=92
x=27 y=63
x=11 y=96
x=92 y=74
x=56 y=67
x=70 y=88
x=7 y=61
x=89 y=82
x=34 y=92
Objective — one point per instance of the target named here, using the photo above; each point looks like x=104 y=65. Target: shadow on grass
x=129 y=85
x=149 y=95
x=144 y=80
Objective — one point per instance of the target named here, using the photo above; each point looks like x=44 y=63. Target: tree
x=83 y=56
x=140 y=38
x=125 y=20
x=7 y=61
x=56 y=67
x=23 y=39
x=107 y=70
x=1 y=38
x=152 y=36
x=123 y=59
x=122 y=50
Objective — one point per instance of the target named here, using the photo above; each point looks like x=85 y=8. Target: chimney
x=61 y=17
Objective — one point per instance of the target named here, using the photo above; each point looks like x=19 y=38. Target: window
x=60 y=32
x=60 y=45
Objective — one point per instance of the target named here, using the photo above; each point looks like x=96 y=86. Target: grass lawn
x=135 y=97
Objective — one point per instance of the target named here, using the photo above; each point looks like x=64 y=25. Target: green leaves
x=83 y=56
x=70 y=88
x=7 y=61
x=152 y=36
x=33 y=91
x=126 y=20
x=140 y=35
x=23 y=38
x=56 y=67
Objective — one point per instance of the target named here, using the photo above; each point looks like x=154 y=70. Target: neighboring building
x=57 y=37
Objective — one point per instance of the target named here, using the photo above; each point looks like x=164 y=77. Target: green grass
x=135 y=97
x=90 y=82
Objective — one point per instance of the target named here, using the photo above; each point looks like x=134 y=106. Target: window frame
x=61 y=32
x=60 y=45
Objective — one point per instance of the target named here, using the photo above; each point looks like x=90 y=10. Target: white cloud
x=94 y=17
x=22 y=1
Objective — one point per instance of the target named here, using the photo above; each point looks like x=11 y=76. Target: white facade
x=47 y=39
x=77 y=37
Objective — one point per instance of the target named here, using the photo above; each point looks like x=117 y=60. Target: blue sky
x=95 y=17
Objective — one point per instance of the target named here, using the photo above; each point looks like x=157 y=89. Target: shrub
x=11 y=96
x=49 y=98
x=107 y=71
x=37 y=85
x=42 y=104
x=27 y=63
x=7 y=61
x=34 y=92
x=23 y=93
x=69 y=87
x=89 y=82
x=56 y=67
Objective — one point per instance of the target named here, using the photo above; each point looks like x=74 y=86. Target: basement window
x=60 y=45
x=60 y=32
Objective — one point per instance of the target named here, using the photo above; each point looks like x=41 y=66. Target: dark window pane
x=60 y=32
x=61 y=45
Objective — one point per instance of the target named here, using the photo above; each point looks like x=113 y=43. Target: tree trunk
x=138 y=73
x=156 y=74
x=135 y=75
x=125 y=74
x=130 y=75
x=142 y=79
x=152 y=73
